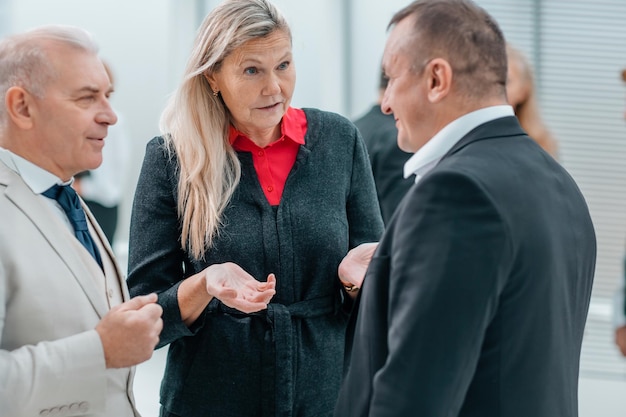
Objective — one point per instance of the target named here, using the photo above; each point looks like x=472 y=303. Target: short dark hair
x=466 y=36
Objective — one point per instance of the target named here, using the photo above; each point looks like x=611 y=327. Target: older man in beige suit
x=69 y=335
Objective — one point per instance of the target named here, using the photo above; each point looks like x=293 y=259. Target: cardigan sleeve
x=364 y=217
x=363 y=210
x=155 y=255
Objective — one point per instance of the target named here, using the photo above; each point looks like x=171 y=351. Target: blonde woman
x=522 y=96
x=243 y=211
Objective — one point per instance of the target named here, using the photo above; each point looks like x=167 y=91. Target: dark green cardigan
x=287 y=360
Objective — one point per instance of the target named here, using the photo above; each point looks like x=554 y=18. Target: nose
x=272 y=86
x=385 y=107
x=106 y=115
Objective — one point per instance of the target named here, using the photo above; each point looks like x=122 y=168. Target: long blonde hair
x=527 y=110
x=195 y=123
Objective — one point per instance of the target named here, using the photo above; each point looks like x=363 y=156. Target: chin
x=405 y=144
x=94 y=163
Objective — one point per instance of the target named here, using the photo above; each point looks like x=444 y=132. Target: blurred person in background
x=522 y=95
x=244 y=209
x=619 y=306
x=381 y=138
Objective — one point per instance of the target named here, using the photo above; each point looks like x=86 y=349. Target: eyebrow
x=91 y=89
x=258 y=61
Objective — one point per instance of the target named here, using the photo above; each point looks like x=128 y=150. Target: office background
x=577 y=47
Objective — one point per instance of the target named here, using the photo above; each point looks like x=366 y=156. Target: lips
x=271 y=106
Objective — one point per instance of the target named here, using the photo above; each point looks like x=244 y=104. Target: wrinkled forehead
x=277 y=42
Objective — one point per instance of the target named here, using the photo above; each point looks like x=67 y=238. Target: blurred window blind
x=578 y=49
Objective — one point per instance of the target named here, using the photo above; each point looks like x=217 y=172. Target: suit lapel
x=119 y=275
x=499 y=128
x=55 y=232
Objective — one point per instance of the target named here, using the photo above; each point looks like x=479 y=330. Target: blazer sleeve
x=447 y=269
x=155 y=262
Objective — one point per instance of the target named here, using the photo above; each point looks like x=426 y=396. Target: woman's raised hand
x=234 y=287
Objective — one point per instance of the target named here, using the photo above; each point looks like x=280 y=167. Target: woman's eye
x=284 y=65
x=250 y=71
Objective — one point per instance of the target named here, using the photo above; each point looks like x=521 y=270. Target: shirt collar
x=292 y=127
x=429 y=155
x=37 y=178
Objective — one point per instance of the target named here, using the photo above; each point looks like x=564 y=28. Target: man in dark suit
x=380 y=136
x=475 y=301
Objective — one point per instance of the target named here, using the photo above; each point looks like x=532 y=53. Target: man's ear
x=18 y=104
x=439 y=76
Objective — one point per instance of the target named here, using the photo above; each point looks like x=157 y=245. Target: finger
x=154 y=311
x=345 y=283
x=270 y=284
x=261 y=287
x=246 y=306
x=254 y=293
x=222 y=292
x=261 y=297
x=138 y=302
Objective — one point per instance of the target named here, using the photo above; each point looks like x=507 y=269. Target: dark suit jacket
x=475 y=301
x=381 y=138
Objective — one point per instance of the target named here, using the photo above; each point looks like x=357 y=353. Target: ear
x=439 y=76
x=212 y=81
x=18 y=103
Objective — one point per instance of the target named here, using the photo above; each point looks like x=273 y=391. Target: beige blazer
x=51 y=358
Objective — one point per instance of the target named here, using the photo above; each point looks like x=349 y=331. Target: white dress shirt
x=431 y=153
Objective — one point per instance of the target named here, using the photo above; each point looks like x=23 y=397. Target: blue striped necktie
x=69 y=201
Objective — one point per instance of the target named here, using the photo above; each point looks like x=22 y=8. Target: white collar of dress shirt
x=37 y=178
x=428 y=155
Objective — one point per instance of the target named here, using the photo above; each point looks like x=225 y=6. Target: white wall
x=369 y=33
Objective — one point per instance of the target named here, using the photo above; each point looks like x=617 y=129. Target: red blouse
x=274 y=162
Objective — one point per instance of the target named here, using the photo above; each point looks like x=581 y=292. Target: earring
x=215 y=93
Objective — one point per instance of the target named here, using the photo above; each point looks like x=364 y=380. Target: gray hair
x=24 y=62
